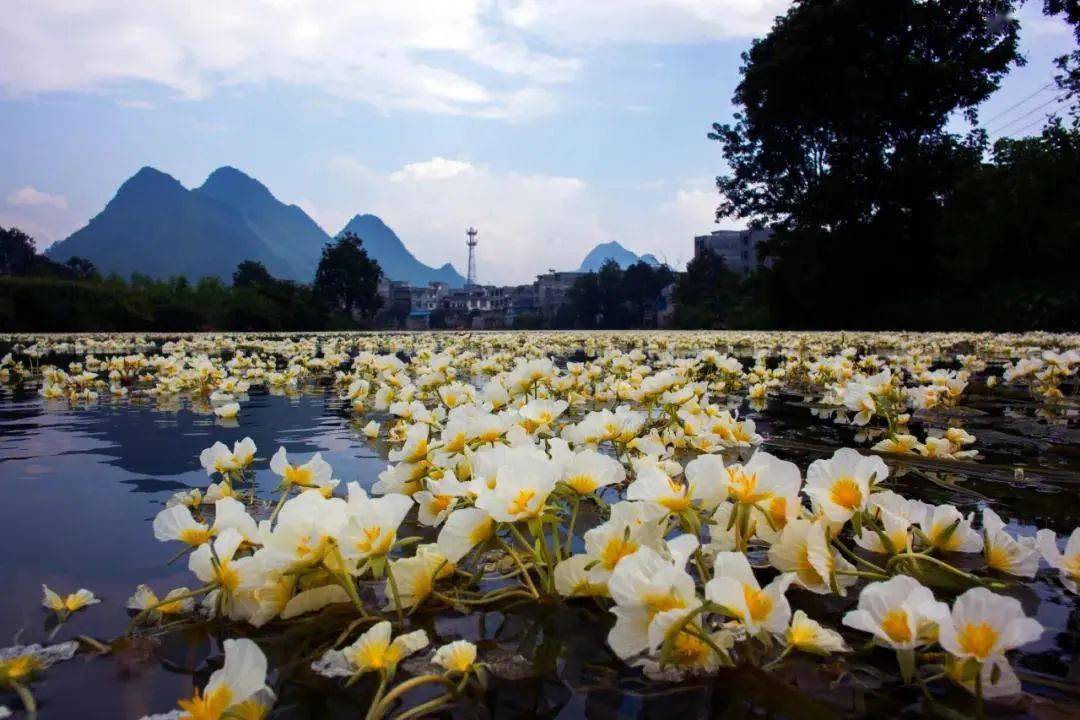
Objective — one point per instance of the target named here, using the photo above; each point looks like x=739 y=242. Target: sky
x=550 y=125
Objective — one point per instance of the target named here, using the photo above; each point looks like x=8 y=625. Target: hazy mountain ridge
x=614 y=251
x=397 y=262
x=157 y=227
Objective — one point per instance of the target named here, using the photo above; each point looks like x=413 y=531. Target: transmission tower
x=471 y=242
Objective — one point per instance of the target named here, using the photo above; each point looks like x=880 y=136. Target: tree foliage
x=613 y=298
x=347 y=280
x=842 y=147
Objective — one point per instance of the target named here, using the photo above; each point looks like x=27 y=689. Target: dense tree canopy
x=843 y=146
x=614 y=298
x=347 y=279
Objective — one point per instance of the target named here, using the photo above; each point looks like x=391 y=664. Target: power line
x=1015 y=105
x=1056 y=99
x=1035 y=122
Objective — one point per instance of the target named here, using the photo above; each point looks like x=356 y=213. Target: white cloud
x=485 y=58
x=647 y=21
x=394 y=55
x=137 y=104
x=437 y=168
x=30 y=195
x=527 y=222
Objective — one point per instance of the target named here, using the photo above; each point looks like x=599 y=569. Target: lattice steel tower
x=471 y=242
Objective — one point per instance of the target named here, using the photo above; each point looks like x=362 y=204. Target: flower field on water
x=814 y=524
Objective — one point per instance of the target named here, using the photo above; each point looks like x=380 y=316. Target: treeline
x=613 y=298
x=39 y=295
x=884 y=216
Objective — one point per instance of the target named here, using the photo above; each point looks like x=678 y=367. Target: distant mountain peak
x=156 y=226
x=397 y=263
x=613 y=250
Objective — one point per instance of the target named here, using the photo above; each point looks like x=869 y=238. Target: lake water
x=80 y=487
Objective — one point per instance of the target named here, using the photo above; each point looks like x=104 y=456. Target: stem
x=346 y=580
x=862 y=574
x=852 y=555
x=384 y=704
x=423 y=708
x=27 y=699
x=779 y=658
x=377 y=699
x=281 y=502
x=394 y=590
x=524 y=573
x=573 y=521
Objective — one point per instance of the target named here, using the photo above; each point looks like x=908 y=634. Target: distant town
x=490 y=307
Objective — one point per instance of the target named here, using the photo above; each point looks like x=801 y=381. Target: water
x=80 y=487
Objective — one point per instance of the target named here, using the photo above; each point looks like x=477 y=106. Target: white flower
x=177 y=523
x=589 y=470
x=1003 y=552
x=1068 y=563
x=64 y=606
x=523 y=486
x=372 y=525
x=315 y=473
x=984 y=626
x=840 y=486
x=736 y=589
x=456 y=657
x=946 y=529
x=239 y=681
x=900 y=612
x=808 y=635
x=643 y=585
x=463 y=530
x=228 y=411
x=803 y=549
x=374 y=651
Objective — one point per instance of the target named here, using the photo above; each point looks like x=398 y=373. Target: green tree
x=251 y=273
x=706 y=293
x=347 y=280
x=841 y=146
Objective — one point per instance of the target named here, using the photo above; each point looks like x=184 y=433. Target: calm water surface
x=79 y=489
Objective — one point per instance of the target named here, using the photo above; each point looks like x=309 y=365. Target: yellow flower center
x=582 y=484
x=998 y=558
x=801 y=636
x=615 y=550
x=778 y=511
x=228 y=577
x=520 y=504
x=298 y=475
x=207 y=707
x=846 y=493
x=757 y=602
x=195 y=536
x=896 y=626
x=661 y=602
x=742 y=486
x=689 y=650
x=19 y=668
x=977 y=640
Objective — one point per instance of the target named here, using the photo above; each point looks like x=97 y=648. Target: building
x=738 y=248
x=551 y=290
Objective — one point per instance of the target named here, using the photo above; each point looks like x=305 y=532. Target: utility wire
x=1035 y=122
x=1015 y=105
x=1056 y=99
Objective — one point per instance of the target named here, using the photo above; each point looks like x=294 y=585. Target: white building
x=738 y=248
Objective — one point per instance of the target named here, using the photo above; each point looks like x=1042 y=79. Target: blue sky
x=551 y=126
